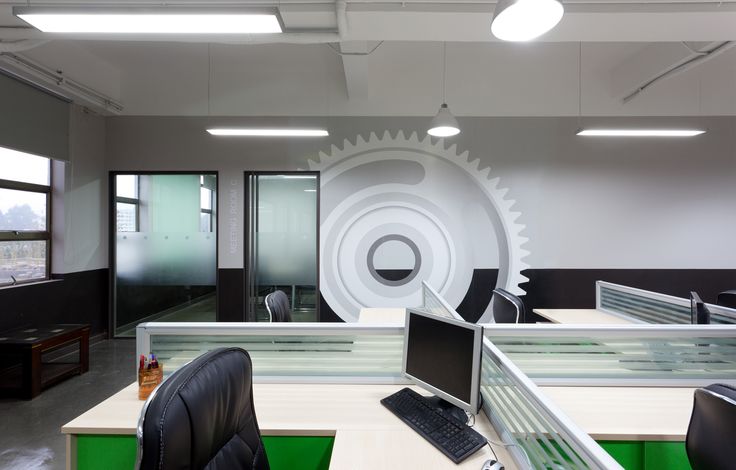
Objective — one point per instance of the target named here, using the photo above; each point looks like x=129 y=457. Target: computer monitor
x=442 y=355
x=699 y=313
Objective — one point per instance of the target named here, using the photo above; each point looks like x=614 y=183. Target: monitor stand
x=448 y=408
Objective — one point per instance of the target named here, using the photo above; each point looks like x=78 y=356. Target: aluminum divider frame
x=665 y=298
x=596 y=332
x=588 y=450
x=441 y=300
x=145 y=331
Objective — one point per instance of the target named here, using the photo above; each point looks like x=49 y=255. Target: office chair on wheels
x=507 y=308
x=727 y=299
x=277 y=304
x=202 y=417
x=712 y=430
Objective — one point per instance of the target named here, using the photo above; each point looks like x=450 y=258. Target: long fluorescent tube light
x=150 y=20
x=249 y=132
x=640 y=132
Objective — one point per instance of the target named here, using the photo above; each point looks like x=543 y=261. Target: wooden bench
x=28 y=344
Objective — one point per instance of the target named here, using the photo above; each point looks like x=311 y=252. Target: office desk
x=367 y=435
x=382 y=315
x=586 y=316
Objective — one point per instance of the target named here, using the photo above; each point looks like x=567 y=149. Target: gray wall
x=586 y=203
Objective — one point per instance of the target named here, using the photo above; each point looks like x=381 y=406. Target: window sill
x=33 y=283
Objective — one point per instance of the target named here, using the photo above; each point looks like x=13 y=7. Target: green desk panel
x=117 y=452
x=302 y=452
x=649 y=455
x=112 y=452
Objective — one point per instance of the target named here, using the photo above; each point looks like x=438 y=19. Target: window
x=206 y=197
x=127 y=203
x=25 y=225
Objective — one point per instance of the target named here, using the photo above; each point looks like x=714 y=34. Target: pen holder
x=148 y=379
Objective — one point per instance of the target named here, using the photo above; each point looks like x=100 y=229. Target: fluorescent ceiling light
x=524 y=20
x=310 y=190
x=444 y=123
x=150 y=21
x=640 y=132
x=249 y=132
x=299 y=177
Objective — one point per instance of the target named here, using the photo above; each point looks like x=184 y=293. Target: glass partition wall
x=165 y=248
x=282 y=242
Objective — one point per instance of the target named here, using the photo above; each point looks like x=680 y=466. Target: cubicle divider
x=434 y=303
x=618 y=355
x=536 y=433
x=653 y=307
x=534 y=429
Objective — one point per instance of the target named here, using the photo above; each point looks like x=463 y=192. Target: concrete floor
x=30 y=431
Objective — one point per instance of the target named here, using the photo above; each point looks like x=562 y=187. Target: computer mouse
x=492 y=465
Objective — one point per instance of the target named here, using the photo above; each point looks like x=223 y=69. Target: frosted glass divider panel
x=538 y=433
x=653 y=307
x=621 y=355
x=282 y=352
x=432 y=302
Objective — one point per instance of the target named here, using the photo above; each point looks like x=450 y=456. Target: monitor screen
x=443 y=356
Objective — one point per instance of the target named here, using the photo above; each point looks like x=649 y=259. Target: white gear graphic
x=349 y=223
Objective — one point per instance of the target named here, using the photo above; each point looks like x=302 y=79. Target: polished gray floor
x=30 y=436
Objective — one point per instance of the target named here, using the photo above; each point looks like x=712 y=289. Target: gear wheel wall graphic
x=451 y=214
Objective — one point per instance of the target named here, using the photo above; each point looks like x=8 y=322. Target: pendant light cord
x=580 y=84
x=444 y=72
x=209 y=77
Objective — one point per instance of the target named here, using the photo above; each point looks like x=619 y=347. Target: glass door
x=282 y=246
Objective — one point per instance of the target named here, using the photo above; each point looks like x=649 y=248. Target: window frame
x=129 y=200
x=32 y=235
x=210 y=211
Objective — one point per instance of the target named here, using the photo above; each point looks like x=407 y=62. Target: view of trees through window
x=24 y=233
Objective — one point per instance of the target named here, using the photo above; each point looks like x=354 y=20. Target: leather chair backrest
x=202 y=417
x=506 y=307
x=727 y=299
x=277 y=304
x=711 y=435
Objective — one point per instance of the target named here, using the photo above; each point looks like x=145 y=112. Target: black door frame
x=250 y=316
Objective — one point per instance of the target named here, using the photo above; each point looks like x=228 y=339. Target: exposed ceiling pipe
x=58 y=83
x=697 y=58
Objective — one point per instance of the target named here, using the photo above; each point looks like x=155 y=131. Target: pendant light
x=524 y=20
x=444 y=123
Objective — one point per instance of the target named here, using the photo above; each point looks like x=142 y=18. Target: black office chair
x=712 y=430
x=507 y=308
x=277 y=304
x=727 y=299
x=202 y=416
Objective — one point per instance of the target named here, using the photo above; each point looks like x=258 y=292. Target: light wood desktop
x=382 y=315
x=582 y=316
x=367 y=435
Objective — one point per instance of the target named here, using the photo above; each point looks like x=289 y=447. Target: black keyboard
x=455 y=439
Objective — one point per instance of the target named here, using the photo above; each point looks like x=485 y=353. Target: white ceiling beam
x=355 y=67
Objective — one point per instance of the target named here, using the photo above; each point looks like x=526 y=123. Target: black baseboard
x=231 y=294
x=80 y=297
x=575 y=288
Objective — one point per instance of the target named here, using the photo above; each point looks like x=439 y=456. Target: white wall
x=587 y=203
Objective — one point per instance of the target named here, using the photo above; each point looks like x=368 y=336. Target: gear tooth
x=334 y=149
x=465 y=156
x=400 y=135
x=485 y=172
x=387 y=135
x=373 y=137
x=311 y=164
x=452 y=149
x=359 y=140
x=494 y=182
x=414 y=138
x=523 y=253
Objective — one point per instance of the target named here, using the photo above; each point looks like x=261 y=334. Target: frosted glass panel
x=166 y=269
x=284 y=235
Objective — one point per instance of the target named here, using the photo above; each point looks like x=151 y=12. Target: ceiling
x=385 y=58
